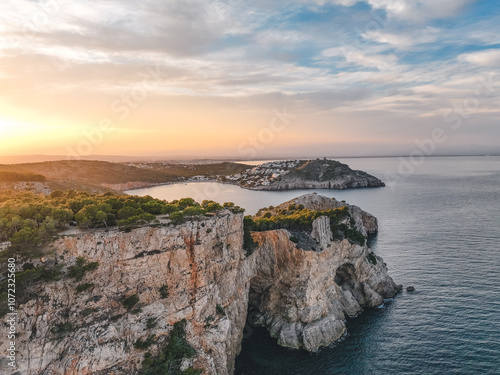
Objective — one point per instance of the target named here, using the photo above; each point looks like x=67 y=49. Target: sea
x=439 y=231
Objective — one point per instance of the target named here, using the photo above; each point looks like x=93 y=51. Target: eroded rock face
x=304 y=296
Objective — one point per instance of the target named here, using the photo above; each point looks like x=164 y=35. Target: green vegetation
x=151 y=323
x=62 y=328
x=177 y=217
x=30 y=221
x=208 y=322
x=87 y=312
x=169 y=360
x=354 y=236
x=164 y=291
x=220 y=310
x=83 y=287
x=115 y=318
x=234 y=209
x=130 y=301
x=20 y=177
x=139 y=344
x=294 y=239
x=296 y=218
x=249 y=245
x=81 y=267
x=319 y=170
x=299 y=220
x=372 y=258
x=136 y=310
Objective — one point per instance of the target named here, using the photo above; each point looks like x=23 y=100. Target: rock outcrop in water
x=304 y=296
x=197 y=271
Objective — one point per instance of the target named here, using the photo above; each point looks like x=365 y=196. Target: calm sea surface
x=440 y=232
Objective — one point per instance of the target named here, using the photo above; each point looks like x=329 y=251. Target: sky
x=249 y=79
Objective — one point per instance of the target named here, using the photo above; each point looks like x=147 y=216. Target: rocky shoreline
x=304 y=174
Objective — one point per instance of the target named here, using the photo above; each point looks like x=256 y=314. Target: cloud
x=381 y=62
x=488 y=58
x=412 y=10
x=420 y=10
x=404 y=39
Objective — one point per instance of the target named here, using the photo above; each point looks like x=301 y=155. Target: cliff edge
x=178 y=294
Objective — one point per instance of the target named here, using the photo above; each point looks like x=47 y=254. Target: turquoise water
x=440 y=232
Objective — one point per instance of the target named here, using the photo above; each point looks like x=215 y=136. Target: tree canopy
x=30 y=220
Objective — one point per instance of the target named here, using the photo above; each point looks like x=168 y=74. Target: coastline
x=260 y=188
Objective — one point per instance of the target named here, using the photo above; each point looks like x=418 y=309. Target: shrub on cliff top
x=302 y=221
x=177 y=217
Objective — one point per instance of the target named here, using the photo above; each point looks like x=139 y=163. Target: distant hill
x=18 y=159
x=104 y=176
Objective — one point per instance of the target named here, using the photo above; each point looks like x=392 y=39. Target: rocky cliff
x=123 y=311
x=305 y=296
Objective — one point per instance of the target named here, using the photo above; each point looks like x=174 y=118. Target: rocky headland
x=303 y=174
x=131 y=293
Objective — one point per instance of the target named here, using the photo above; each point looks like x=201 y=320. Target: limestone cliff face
x=201 y=262
x=303 y=296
